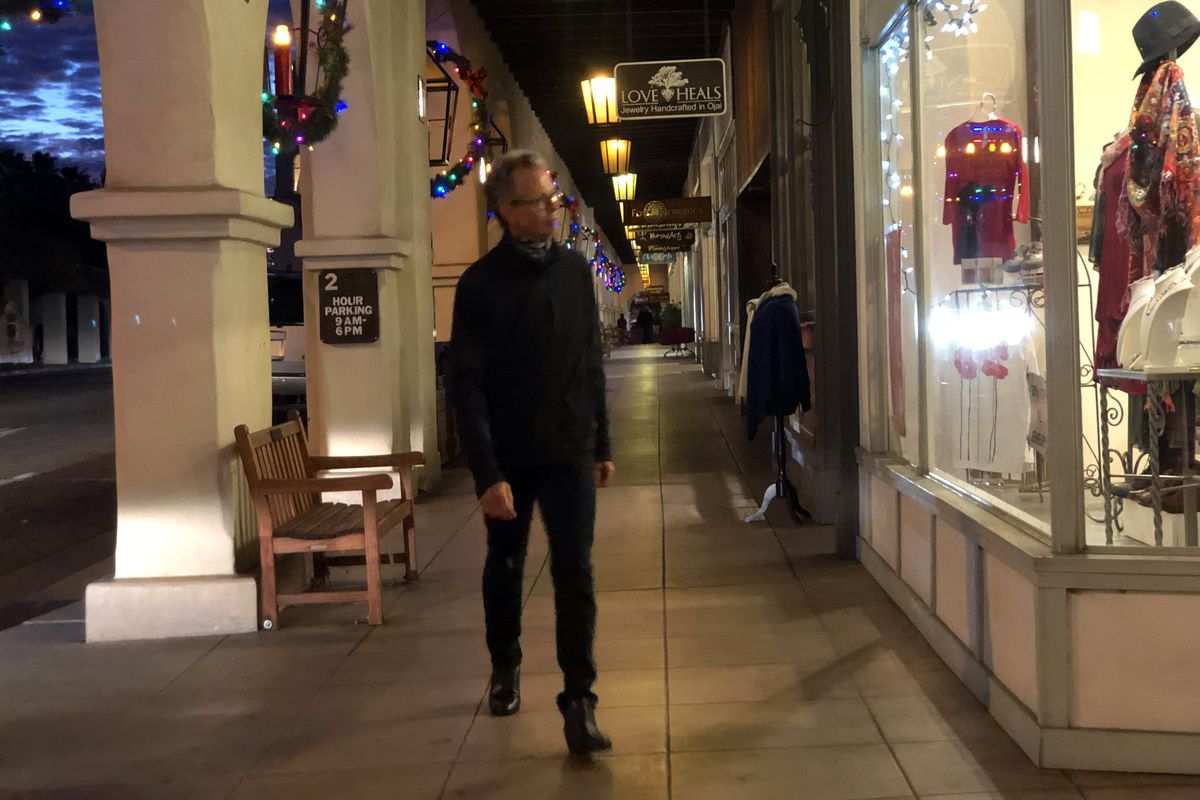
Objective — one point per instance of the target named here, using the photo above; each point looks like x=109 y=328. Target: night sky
x=50 y=88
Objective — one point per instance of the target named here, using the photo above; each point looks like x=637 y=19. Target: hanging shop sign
x=653 y=240
x=670 y=89
x=349 y=306
x=677 y=211
x=656 y=258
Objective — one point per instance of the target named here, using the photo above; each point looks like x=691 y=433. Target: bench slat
x=259 y=438
x=328 y=520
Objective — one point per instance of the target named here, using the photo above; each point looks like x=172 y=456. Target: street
x=57 y=490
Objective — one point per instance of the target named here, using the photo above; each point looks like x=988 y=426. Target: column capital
x=365 y=252
x=156 y=215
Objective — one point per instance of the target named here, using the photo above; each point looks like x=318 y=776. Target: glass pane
x=898 y=217
x=1136 y=306
x=982 y=254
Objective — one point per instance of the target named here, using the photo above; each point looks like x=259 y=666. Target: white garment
x=986 y=420
x=779 y=290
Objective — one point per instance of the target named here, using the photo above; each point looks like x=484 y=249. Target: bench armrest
x=358 y=483
x=393 y=460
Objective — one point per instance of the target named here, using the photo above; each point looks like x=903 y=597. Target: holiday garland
x=614 y=275
x=291 y=121
x=449 y=180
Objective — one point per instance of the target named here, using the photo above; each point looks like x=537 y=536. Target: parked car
x=285 y=295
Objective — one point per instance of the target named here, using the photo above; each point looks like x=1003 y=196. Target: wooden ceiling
x=552 y=45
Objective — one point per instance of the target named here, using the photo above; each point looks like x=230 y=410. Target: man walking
x=527 y=384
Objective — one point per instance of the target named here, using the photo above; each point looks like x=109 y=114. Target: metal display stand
x=782 y=487
x=1157 y=381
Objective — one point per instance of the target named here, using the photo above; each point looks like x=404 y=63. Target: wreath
x=290 y=121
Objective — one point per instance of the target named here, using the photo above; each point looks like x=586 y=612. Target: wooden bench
x=286 y=492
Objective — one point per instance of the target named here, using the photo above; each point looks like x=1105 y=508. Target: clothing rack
x=782 y=487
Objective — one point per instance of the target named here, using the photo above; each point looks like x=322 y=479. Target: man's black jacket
x=526 y=377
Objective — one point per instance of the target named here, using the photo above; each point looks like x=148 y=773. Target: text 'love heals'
x=666 y=89
x=349 y=306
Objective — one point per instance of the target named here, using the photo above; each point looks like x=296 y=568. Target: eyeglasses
x=546 y=199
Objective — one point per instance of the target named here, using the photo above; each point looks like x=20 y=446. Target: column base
x=165 y=608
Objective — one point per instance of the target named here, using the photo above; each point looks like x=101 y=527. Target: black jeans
x=566 y=494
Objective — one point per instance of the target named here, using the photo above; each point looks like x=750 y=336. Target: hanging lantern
x=625 y=186
x=600 y=100
x=440 y=104
x=615 y=154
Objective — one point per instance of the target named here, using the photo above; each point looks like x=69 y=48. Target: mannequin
x=1160 y=200
x=1148 y=203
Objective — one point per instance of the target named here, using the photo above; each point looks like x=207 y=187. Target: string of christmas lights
x=41 y=11
x=614 y=274
x=960 y=16
x=449 y=180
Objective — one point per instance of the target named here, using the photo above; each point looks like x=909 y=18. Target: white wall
x=1105 y=58
x=50 y=311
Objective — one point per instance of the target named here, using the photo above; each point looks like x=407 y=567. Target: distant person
x=622 y=329
x=527 y=385
x=645 y=323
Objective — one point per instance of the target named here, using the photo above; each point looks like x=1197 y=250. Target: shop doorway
x=754 y=241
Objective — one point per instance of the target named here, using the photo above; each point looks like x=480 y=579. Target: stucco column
x=361 y=211
x=187 y=225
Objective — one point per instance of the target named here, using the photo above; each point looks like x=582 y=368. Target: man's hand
x=497 y=502
x=604 y=472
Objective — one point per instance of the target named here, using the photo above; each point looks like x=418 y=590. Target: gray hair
x=501 y=186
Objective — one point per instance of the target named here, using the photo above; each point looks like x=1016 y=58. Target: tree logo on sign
x=655 y=211
x=669 y=78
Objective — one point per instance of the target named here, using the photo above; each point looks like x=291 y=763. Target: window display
x=983 y=256
x=1145 y=226
x=961 y=251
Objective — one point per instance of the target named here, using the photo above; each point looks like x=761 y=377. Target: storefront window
x=982 y=255
x=898 y=219
x=1137 y=207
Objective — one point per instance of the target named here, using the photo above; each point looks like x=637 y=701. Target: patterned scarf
x=532 y=249
x=1162 y=180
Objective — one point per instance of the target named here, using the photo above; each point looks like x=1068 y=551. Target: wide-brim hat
x=1165 y=27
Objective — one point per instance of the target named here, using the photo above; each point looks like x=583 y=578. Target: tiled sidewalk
x=736 y=662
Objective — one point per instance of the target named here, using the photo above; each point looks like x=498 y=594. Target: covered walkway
x=736 y=662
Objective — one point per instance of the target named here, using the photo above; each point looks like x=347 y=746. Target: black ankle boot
x=504 y=693
x=579 y=726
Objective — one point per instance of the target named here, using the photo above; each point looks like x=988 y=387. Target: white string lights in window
x=959 y=17
x=893 y=56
